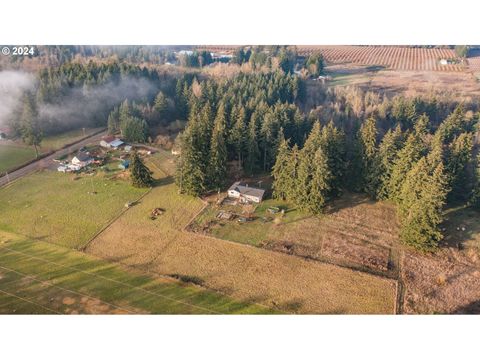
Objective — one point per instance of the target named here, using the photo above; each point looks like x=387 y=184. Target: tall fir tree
x=218 y=151
x=253 y=150
x=333 y=144
x=140 y=174
x=415 y=147
x=30 y=128
x=388 y=150
x=280 y=171
x=475 y=195
x=458 y=159
x=320 y=184
x=423 y=198
x=368 y=154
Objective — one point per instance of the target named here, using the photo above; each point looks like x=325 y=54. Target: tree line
x=418 y=169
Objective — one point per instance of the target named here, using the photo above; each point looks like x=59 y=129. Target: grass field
x=276 y=280
x=55 y=142
x=40 y=278
x=12 y=155
x=54 y=207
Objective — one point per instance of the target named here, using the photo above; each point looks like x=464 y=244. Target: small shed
x=124 y=164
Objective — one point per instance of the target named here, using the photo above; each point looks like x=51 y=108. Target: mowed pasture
x=55 y=142
x=13 y=155
x=63 y=209
x=250 y=274
x=41 y=278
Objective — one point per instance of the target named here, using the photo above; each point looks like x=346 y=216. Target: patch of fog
x=79 y=105
x=12 y=86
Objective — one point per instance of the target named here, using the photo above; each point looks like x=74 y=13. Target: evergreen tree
x=253 y=151
x=281 y=171
x=388 y=151
x=30 y=128
x=238 y=135
x=320 y=186
x=423 y=197
x=190 y=175
x=475 y=196
x=459 y=156
x=411 y=152
x=333 y=145
x=140 y=174
x=368 y=154
x=218 y=151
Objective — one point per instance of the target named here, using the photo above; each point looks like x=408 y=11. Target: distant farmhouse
x=82 y=159
x=245 y=193
x=79 y=161
x=111 y=142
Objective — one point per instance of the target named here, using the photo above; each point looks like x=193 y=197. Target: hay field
x=41 y=278
x=250 y=274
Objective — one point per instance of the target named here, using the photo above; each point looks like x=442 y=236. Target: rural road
x=48 y=161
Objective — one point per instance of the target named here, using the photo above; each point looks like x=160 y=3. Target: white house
x=106 y=140
x=111 y=142
x=82 y=159
x=245 y=193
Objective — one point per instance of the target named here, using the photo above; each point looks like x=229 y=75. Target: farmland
x=277 y=280
x=62 y=209
x=41 y=278
x=391 y=57
x=54 y=142
x=12 y=155
x=403 y=58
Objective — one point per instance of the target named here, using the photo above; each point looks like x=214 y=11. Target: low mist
x=12 y=86
x=79 y=107
x=89 y=105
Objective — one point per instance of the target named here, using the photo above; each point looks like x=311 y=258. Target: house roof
x=81 y=156
x=108 y=138
x=247 y=190
x=116 y=143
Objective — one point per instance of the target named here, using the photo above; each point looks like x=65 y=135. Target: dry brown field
x=284 y=282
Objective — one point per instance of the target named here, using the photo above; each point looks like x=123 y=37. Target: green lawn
x=64 y=209
x=12 y=155
x=252 y=232
x=41 y=278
